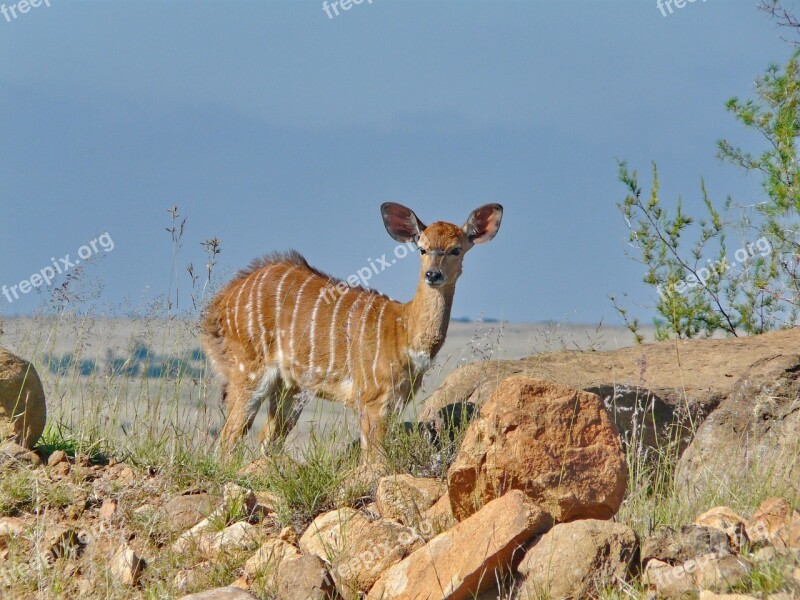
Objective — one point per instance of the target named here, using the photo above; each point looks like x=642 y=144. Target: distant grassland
x=118 y=376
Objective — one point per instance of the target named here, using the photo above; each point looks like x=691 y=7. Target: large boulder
x=755 y=431
x=22 y=406
x=647 y=389
x=462 y=562
x=556 y=444
x=579 y=559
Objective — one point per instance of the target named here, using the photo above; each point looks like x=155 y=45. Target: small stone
x=304 y=578
x=710 y=571
x=12 y=454
x=776 y=523
x=226 y=593
x=405 y=498
x=709 y=595
x=765 y=554
x=184 y=512
x=239 y=536
x=10 y=527
x=62 y=542
x=676 y=547
x=125 y=475
x=726 y=520
x=126 y=566
x=56 y=457
x=60 y=470
x=108 y=509
x=268 y=561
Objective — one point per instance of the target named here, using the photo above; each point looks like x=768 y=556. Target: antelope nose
x=434 y=277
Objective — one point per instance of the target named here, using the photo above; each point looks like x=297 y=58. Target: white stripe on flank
x=332 y=333
x=313 y=330
x=348 y=340
x=250 y=312
x=238 y=302
x=228 y=312
x=297 y=301
x=378 y=343
x=261 y=327
x=278 y=305
x=361 y=348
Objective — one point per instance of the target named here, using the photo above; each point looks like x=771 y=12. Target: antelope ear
x=483 y=223
x=401 y=222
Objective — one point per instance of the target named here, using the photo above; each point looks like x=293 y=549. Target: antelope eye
x=455 y=251
x=422 y=250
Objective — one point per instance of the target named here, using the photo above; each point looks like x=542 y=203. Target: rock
x=304 y=578
x=107 y=510
x=289 y=535
x=12 y=454
x=709 y=571
x=123 y=474
x=755 y=429
x=676 y=547
x=184 y=512
x=357 y=549
x=776 y=523
x=462 y=562
x=57 y=457
x=234 y=495
x=405 y=498
x=576 y=560
x=708 y=595
x=191 y=577
x=369 y=551
x=60 y=470
x=268 y=560
x=61 y=542
x=325 y=536
x=439 y=517
x=281 y=569
x=225 y=593
x=236 y=501
x=239 y=536
x=22 y=405
x=555 y=443
x=639 y=380
x=126 y=567
x=10 y=528
x=726 y=520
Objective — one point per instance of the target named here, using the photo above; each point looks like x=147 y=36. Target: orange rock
x=776 y=523
x=462 y=562
x=553 y=442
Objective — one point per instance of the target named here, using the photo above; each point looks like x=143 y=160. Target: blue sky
x=272 y=127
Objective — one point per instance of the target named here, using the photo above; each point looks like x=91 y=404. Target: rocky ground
x=663 y=471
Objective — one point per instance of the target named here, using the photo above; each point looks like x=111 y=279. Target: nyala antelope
x=281 y=326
